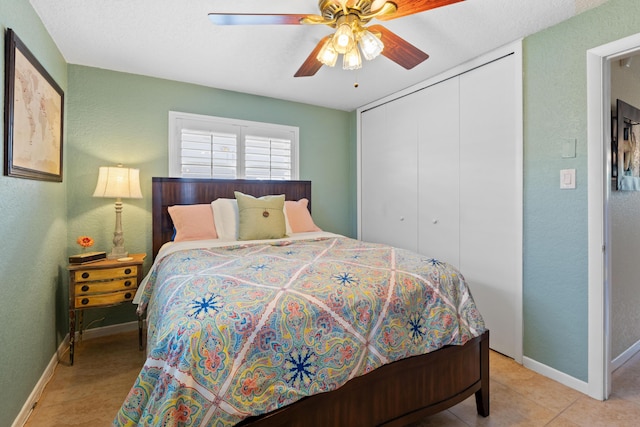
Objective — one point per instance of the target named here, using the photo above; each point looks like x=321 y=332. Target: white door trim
x=599 y=171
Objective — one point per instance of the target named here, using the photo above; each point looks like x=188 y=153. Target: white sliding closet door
x=441 y=174
x=491 y=200
x=439 y=171
x=390 y=171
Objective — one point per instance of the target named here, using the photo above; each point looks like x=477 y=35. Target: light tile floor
x=91 y=392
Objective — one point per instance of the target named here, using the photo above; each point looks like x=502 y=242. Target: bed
x=293 y=377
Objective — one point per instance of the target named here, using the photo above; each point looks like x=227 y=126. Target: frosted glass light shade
x=371 y=45
x=351 y=60
x=328 y=55
x=118 y=182
x=343 y=40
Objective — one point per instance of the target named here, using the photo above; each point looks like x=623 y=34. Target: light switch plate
x=568 y=148
x=568 y=179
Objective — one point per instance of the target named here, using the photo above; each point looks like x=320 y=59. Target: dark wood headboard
x=190 y=191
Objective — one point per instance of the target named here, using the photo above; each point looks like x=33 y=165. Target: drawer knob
x=127 y=295
x=127 y=283
x=85 y=301
x=127 y=271
x=85 y=288
x=85 y=275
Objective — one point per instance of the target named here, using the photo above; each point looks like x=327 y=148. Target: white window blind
x=267 y=158
x=214 y=147
x=208 y=155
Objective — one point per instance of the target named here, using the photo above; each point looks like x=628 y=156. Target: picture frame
x=614 y=151
x=34 y=114
x=628 y=149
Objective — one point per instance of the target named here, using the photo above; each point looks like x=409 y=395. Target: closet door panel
x=490 y=257
x=439 y=171
x=389 y=174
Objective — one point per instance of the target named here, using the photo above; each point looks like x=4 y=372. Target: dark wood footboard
x=396 y=394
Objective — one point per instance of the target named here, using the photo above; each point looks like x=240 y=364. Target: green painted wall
x=123 y=118
x=555 y=221
x=33 y=227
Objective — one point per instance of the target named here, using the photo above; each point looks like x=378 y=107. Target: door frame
x=599 y=61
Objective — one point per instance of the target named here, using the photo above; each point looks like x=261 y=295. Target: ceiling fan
x=349 y=18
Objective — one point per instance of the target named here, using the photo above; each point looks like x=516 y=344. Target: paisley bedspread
x=245 y=329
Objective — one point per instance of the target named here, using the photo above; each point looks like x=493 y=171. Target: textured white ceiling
x=175 y=40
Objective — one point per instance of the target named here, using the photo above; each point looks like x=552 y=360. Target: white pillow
x=226 y=218
x=286 y=221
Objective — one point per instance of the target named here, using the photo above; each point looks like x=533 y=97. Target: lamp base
x=117 y=252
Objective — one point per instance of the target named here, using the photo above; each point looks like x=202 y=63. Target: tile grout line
x=634 y=402
x=564 y=410
x=460 y=419
x=533 y=401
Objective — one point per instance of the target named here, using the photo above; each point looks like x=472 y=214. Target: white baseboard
x=33 y=398
x=46 y=376
x=556 y=375
x=103 y=331
x=625 y=356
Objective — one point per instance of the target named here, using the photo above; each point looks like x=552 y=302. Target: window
x=216 y=147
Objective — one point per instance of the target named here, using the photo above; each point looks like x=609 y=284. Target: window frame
x=199 y=122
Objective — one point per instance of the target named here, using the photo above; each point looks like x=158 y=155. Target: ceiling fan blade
x=256 y=19
x=398 y=49
x=410 y=7
x=311 y=65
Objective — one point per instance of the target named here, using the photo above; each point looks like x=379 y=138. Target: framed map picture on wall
x=33 y=117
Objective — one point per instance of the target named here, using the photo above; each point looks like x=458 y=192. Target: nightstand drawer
x=106 y=299
x=103 y=283
x=108 y=286
x=104 y=274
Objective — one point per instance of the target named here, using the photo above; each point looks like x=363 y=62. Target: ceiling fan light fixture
x=343 y=40
x=370 y=45
x=350 y=38
x=328 y=55
x=351 y=60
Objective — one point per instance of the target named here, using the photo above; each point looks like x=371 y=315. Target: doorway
x=599 y=62
x=624 y=206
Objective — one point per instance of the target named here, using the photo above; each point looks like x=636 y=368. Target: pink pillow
x=193 y=222
x=299 y=217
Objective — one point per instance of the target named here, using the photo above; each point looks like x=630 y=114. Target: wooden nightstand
x=102 y=284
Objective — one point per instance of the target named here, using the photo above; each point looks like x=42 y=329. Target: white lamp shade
x=118 y=182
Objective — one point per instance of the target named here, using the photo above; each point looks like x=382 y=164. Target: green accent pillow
x=260 y=218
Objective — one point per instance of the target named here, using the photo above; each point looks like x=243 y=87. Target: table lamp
x=119 y=183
